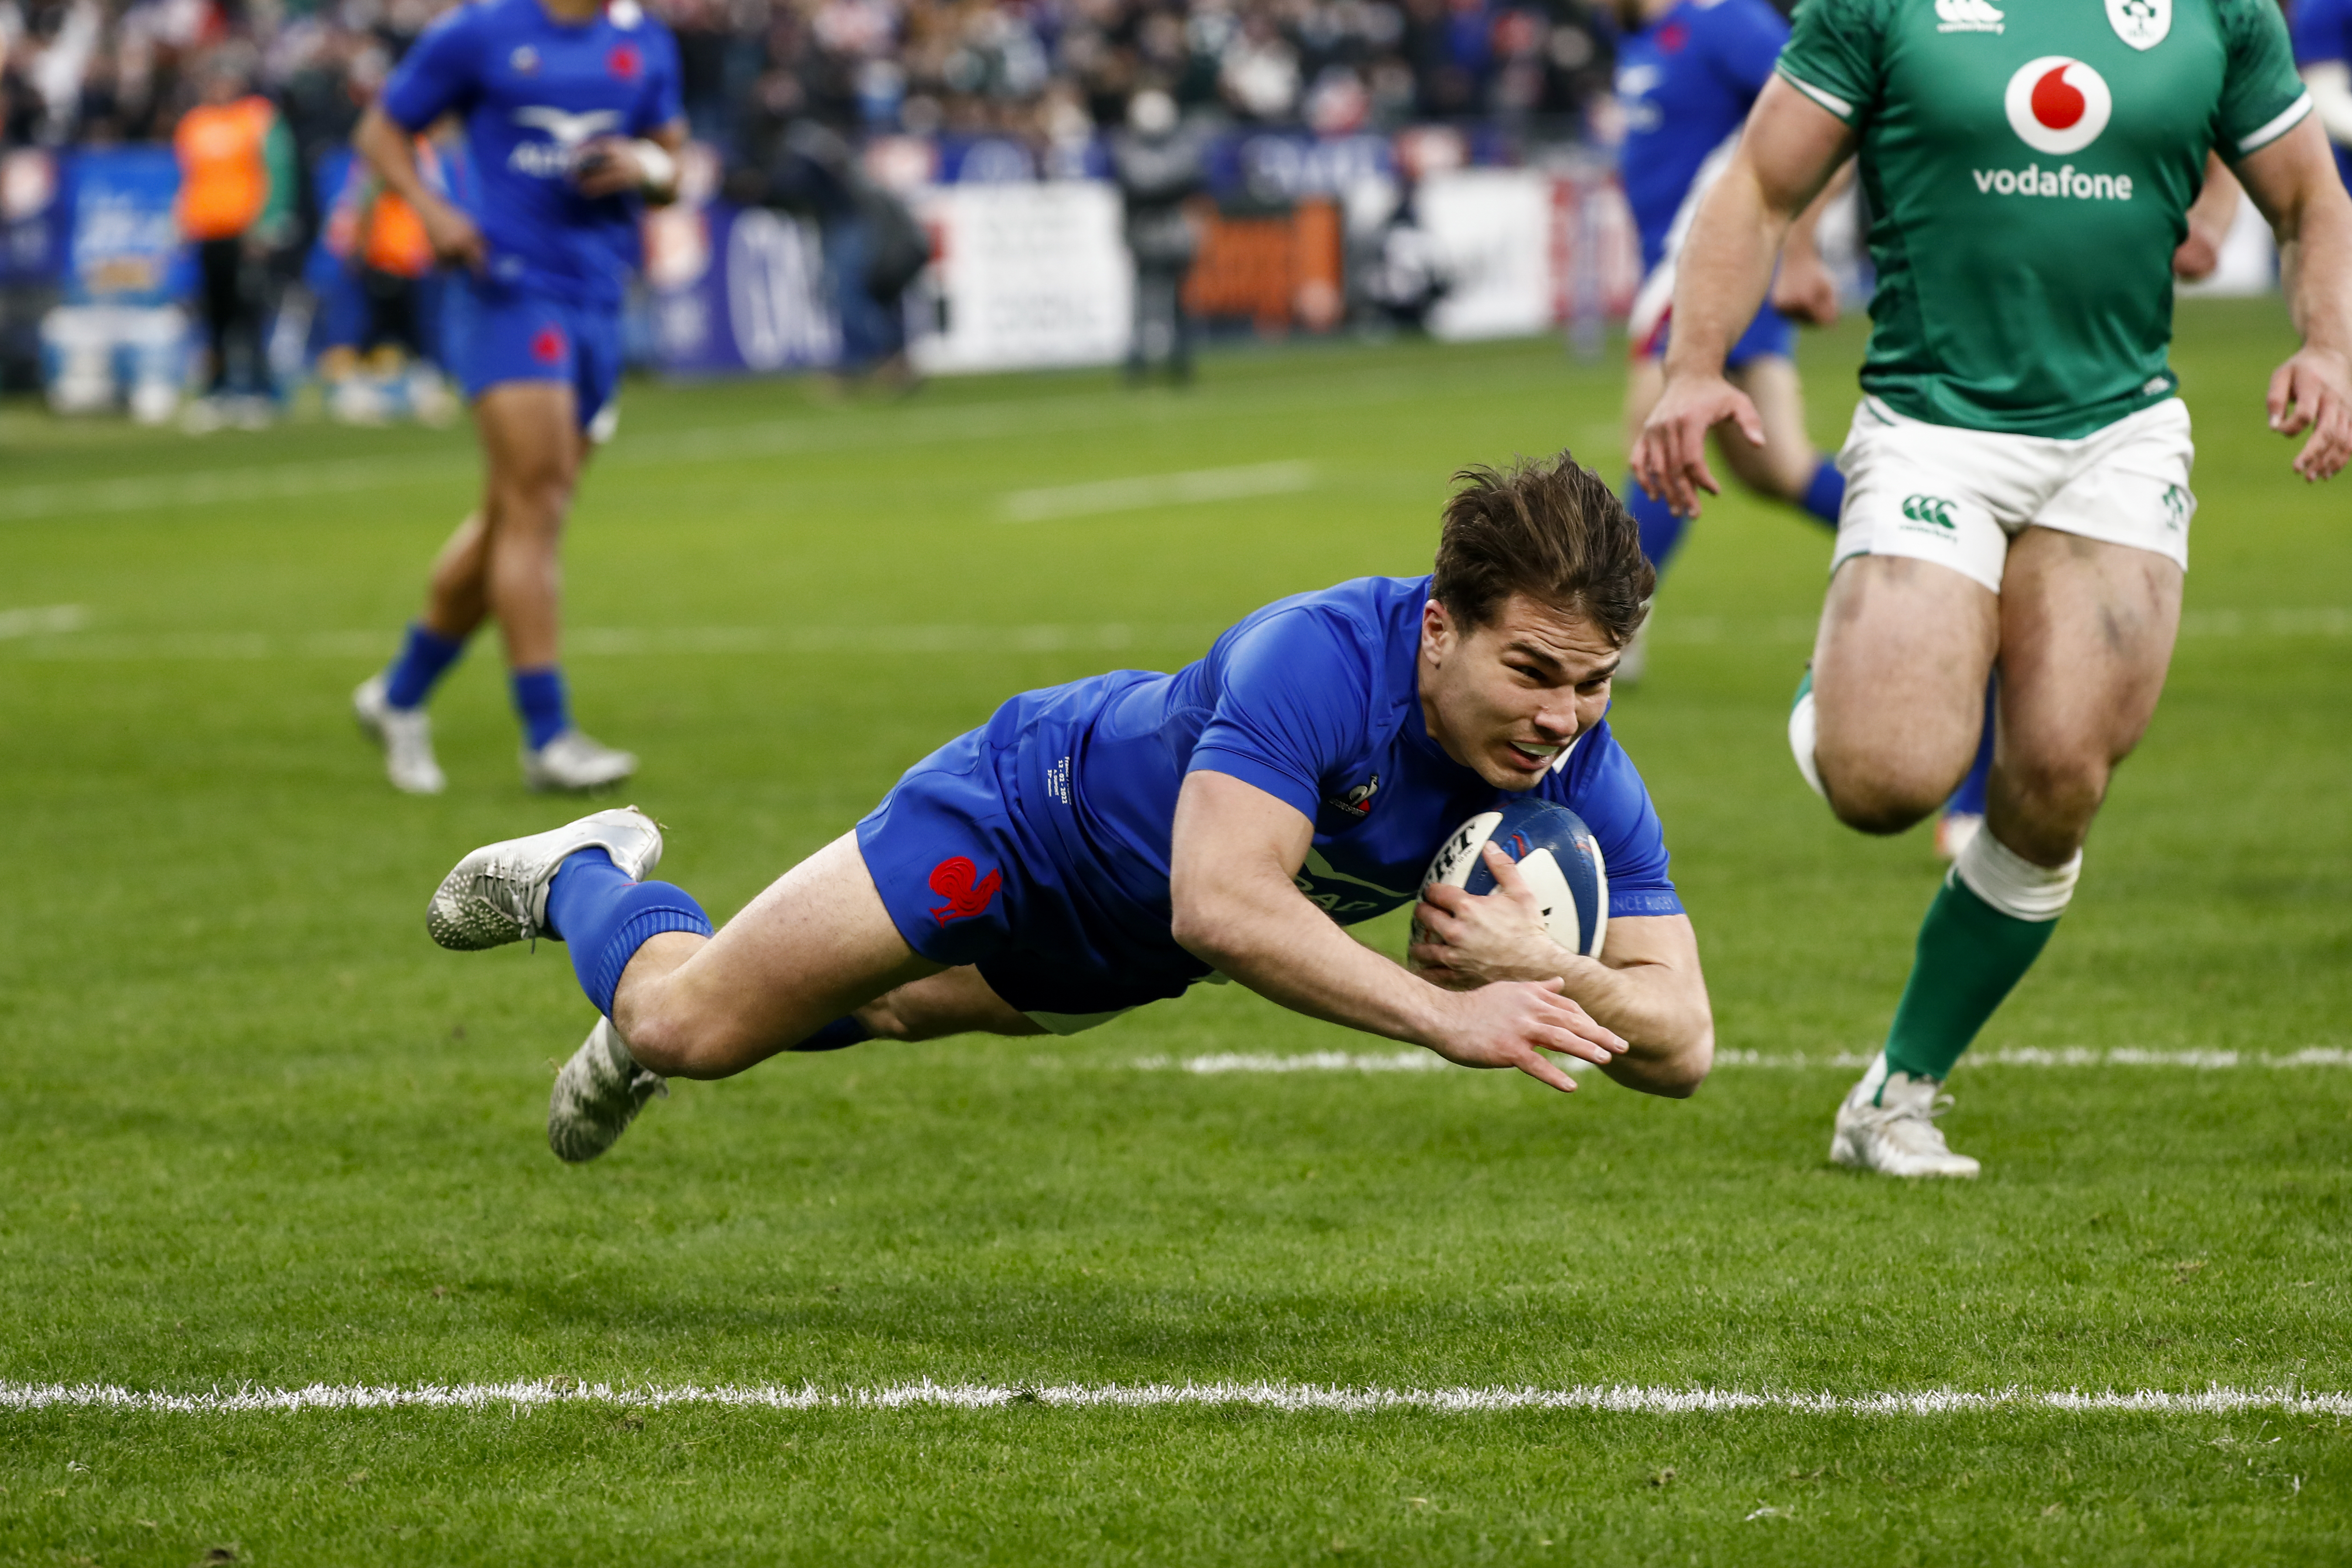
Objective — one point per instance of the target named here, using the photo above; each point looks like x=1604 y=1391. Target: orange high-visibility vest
x=223 y=166
x=395 y=239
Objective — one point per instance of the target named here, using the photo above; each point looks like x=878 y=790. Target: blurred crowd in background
x=94 y=72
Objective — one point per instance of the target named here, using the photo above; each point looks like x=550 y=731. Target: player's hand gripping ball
x=1557 y=856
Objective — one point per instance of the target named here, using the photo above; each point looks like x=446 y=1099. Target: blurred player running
x=2322 y=50
x=1103 y=845
x=571 y=118
x=2020 y=463
x=1687 y=72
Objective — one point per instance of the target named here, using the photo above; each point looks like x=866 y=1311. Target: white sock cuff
x=1802 y=728
x=2014 y=885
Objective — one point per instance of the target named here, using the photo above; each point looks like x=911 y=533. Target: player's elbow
x=1679 y=1076
x=1199 y=923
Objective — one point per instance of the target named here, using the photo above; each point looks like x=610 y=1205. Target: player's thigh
x=1784 y=465
x=2087 y=631
x=1645 y=378
x=530 y=443
x=1899 y=668
x=817 y=944
x=957 y=1001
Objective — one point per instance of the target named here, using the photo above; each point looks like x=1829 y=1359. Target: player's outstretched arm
x=1788 y=152
x=2294 y=182
x=1236 y=852
x=1646 y=985
x=391 y=152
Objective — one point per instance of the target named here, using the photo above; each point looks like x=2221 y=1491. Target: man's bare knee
x=1879 y=805
x=681 y=1039
x=2053 y=799
x=1883 y=792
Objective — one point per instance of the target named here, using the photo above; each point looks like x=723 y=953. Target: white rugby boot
x=573 y=761
x=407 y=736
x=1887 y=1124
x=597 y=1095
x=498 y=893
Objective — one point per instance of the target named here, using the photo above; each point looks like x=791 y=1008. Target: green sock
x=1970 y=956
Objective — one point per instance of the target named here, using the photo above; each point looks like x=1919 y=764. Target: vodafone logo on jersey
x=2058 y=105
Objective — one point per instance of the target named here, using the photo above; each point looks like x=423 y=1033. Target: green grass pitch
x=256 y=1132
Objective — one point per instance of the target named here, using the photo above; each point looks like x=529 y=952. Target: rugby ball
x=1556 y=853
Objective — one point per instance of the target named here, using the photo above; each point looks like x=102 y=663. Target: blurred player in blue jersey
x=1687 y=72
x=572 y=121
x=2323 y=57
x=1100 y=845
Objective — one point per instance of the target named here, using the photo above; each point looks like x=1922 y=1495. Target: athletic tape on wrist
x=2014 y=885
x=659 y=169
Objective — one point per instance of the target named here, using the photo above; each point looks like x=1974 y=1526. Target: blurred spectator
x=237 y=183
x=1159 y=170
x=104 y=70
x=873 y=247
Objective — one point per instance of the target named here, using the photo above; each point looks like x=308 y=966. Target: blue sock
x=424 y=658
x=538 y=698
x=594 y=909
x=1825 y=495
x=1968 y=800
x=1662 y=531
x=841 y=1033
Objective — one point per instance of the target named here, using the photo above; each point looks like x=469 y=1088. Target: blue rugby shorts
x=499 y=332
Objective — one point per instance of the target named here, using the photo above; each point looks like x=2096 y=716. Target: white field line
x=59 y=631
x=772 y=438
x=1217 y=1063
x=1158 y=489
x=43 y=620
x=632 y=641
x=1625 y=1398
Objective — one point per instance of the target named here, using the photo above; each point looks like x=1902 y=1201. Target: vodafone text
x=2063 y=180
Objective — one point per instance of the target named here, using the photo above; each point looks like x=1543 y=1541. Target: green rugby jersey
x=2030 y=165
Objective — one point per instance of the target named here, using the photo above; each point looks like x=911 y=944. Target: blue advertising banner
x=125 y=247
x=738 y=290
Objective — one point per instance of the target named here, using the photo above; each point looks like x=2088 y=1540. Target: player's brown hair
x=1550 y=529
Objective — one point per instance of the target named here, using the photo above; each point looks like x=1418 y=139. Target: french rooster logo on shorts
x=967 y=893
x=547 y=345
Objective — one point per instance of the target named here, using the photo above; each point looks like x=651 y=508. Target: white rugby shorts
x=1937 y=492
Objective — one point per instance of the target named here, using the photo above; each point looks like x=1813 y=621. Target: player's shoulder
x=632 y=17
x=1742 y=14
x=1362 y=609
x=1597 y=774
x=1848 y=15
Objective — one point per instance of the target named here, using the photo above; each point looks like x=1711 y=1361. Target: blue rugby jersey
x=532 y=91
x=1686 y=83
x=1314 y=699
x=2323 y=35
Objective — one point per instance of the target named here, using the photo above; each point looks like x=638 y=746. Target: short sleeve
x=1746 y=42
x=1602 y=786
x=1291 y=707
x=1832 y=56
x=2261 y=98
x=437 y=74
x=663 y=102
